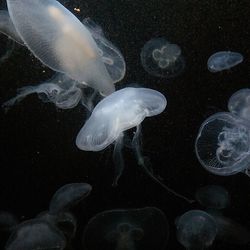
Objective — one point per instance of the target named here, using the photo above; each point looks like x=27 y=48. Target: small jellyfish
x=130 y=229
x=60 y=41
x=230 y=231
x=239 y=103
x=223 y=60
x=36 y=234
x=196 y=229
x=162 y=59
x=223 y=144
x=213 y=196
x=67 y=196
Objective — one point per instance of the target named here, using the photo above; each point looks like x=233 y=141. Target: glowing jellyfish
x=56 y=37
x=239 y=103
x=131 y=229
x=196 y=229
x=213 y=196
x=162 y=59
x=67 y=196
x=111 y=117
x=35 y=235
x=223 y=144
x=223 y=60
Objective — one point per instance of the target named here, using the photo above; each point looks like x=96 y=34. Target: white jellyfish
x=57 y=38
x=118 y=112
x=223 y=144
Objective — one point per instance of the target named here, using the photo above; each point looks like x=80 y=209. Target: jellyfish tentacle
x=118 y=159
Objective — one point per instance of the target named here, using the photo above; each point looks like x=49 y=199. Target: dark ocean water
x=38 y=153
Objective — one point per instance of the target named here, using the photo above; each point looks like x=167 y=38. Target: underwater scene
x=125 y=124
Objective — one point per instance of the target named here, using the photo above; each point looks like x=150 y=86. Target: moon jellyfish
x=162 y=59
x=230 y=231
x=130 y=229
x=213 y=196
x=196 y=229
x=111 y=117
x=239 y=103
x=222 y=145
x=67 y=196
x=56 y=37
x=35 y=235
x=223 y=60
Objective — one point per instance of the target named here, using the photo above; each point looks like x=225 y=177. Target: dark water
x=38 y=152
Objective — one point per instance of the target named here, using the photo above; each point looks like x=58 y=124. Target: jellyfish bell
x=58 y=39
x=223 y=144
x=213 y=197
x=162 y=59
x=239 y=103
x=196 y=229
x=130 y=229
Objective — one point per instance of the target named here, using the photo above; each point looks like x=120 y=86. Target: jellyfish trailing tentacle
x=136 y=143
x=118 y=159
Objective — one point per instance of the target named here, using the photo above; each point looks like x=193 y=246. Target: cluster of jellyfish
x=87 y=67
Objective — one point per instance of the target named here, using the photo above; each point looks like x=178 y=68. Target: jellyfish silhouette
x=111 y=117
x=130 y=229
x=162 y=59
x=196 y=229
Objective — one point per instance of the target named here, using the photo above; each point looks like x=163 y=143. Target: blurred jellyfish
x=67 y=196
x=223 y=144
x=229 y=231
x=213 y=196
x=223 y=60
x=162 y=59
x=57 y=38
x=36 y=235
x=239 y=103
x=131 y=229
x=196 y=229
x=115 y=114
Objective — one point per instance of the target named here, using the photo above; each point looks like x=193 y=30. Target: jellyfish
x=223 y=60
x=239 y=103
x=115 y=114
x=162 y=59
x=213 y=197
x=127 y=229
x=196 y=229
x=230 y=231
x=60 y=41
x=222 y=145
x=36 y=234
x=67 y=196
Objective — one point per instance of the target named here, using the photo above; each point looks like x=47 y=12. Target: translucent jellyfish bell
x=213 y=196
x=222 y=145
x=162 y=59
x=239 y=103
x=56 y=37
x=131 y=229
x=223 y=60
x=196 y=229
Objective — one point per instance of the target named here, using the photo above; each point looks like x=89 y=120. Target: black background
x=38 y=153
